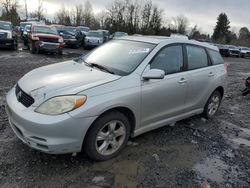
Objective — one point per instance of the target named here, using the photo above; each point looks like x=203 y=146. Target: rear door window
x=197 y=57
x=215 y=57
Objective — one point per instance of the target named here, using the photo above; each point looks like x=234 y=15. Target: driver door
x=164 y=98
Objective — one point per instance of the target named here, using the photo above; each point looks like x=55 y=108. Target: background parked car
x=106 y=34
x=72 y=36
x=234 y=51
x=224 y=50
x=84 y=29
x=244 y=52
x=93 y=39
x=117 y=35
x=23 y=24
x=26 y=31
x=45 y=38
x=8 y=37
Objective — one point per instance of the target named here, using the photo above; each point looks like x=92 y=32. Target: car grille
x=53 y=40
x=3 y=35
x=23 y=97
x=234 y=51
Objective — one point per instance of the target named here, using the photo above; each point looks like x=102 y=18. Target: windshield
x=70 y=29
x=45 y=29
x=95 y=34
x=120 y=34
x=5 y=26
x=22 y=25
x=86 y=29
x=120 y=56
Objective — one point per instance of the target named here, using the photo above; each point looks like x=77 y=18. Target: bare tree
x=63 y=16
x=9 y=4
x=39 y=13
x=88 y=15
x=26 y=9
x=78 y=15
x=180 y=24
x=10 y=10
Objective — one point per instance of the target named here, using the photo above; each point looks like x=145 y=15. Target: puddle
x=212 y=169
x=241 y=141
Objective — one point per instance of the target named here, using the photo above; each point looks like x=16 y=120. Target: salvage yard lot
x=193 y=153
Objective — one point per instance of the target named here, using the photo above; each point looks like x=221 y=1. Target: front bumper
x=50 y=134
x=6 y=43
x=71 y=42
x=234 y=53
x=91 y=44
x=48 y=46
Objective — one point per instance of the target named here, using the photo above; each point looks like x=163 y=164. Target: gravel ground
x=193 y=153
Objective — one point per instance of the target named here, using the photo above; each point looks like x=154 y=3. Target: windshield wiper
x=101 y=67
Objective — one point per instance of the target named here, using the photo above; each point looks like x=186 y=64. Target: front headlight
x=60 y=105
x=33 y=37
x=60 y=40
x=9 y=36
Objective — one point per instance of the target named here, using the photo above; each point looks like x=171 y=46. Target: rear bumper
x=6 y=42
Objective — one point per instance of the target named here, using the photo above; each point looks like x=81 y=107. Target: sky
x=204 y=13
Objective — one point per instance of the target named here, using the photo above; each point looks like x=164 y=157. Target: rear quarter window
x=215 y=57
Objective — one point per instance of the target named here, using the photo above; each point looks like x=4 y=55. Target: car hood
x=44 y=35
x=62 y=79
x=92 y=38
x=4 y=31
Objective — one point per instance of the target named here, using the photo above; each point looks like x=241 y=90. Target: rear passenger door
x=200 y=76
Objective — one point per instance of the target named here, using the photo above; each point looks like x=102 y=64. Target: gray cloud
x=201 y=12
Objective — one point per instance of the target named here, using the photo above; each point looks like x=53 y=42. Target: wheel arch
x=124 y=110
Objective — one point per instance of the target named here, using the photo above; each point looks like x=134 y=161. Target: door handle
x=211 y=74
x=182 y=81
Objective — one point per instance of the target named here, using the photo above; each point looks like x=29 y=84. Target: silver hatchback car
x=122 y=89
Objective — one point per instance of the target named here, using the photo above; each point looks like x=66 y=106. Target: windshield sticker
x=139 y=51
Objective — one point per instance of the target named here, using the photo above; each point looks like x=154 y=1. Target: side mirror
x=153 y=74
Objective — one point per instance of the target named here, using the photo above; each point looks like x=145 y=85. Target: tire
x=33 y=49
x=60 y=52
x=114 y=123
x=245 y=92
x=15 y=45
x=208 y=112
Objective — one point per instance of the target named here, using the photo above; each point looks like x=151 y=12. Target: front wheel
x=212 y=105
x=32 y=48
x=15 y=45
x=107 y=136
x=60 y=52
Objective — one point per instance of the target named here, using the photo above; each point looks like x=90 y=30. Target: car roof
x=5 y=22
x=168 y=40
x=41 y=25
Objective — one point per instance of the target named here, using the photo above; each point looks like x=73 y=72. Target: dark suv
x=72 y=36
x=8 y=37
x=44 y=38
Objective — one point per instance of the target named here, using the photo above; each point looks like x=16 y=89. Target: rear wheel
x=212 y=104
x=107 y=136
